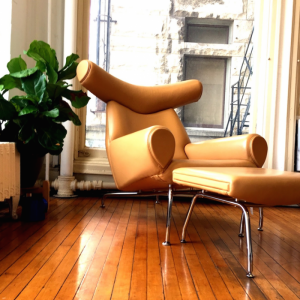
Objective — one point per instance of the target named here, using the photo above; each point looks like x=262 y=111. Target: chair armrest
x=251 y=147
x=141 y=154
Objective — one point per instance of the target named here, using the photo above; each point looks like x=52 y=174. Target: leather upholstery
x=141 y=99
x=140 y=154
x=261 y=186
x=146 y=141
x=250 y=147
x=121 y=121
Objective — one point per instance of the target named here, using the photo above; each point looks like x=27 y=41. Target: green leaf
x=41 y=51
x=68 y=73
x=41 y=66
x=78 y=98
x=7 y=83
x=54 y=113
x=69 y=60
x=66 y=113
x=19 y=102
x=52 y=74
x=16 y=65
x=35 y=85
x=55 y=90
x=51 y=135
x=24 y=73
x=29 y=109
x=7 y=110
x=26 y=133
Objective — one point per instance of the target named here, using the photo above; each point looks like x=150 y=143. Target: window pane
x=208 y=112
x=207 y=34
x=96 y=116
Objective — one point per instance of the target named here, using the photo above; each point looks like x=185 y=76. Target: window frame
x=86 y=160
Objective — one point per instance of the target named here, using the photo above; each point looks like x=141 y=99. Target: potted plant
x=33 y=119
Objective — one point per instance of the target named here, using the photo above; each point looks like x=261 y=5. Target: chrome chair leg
x=187 y=218
x=242 y=226
x=157 y=200
x=169 y=214
x=249 y=242
x=102 y=201
x=261 y=219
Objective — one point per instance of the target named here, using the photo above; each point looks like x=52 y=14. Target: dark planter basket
x=31 y=166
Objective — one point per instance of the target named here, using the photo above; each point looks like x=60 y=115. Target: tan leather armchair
x=145 y=140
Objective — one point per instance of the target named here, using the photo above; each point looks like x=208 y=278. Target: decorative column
x=67 y=155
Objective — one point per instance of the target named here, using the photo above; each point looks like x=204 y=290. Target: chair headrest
x=141 y=99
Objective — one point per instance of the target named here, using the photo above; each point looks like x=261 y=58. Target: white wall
x=5 y=25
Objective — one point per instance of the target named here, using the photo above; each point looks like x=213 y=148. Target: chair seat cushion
x=255 y=185
x=166 y=176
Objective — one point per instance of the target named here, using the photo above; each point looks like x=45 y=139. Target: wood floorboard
x=89 y=285
x=263 y=262
x=32 y=271
x=123 y=277
x=82 y=251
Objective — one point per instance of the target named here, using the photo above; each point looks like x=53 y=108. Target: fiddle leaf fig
x=28 y=109
x=35 y=85
x=26 y=133
x=41 y=51
x=24 y=73
x=19 y=102
x=69 y=72
x=78 y=98
x=7 y=110
x=51 y=135
x=66 y=113
x=33 y=119
x=54 y=113
x=52 y=74
x=7 y=82
x=16 y=65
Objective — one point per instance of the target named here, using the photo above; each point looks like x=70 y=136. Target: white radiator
x=10 y=176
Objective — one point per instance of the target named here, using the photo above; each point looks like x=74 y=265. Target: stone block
x=236 y=63
x=224 y=50
x=250 y=10
x=219 y=9
x=241 y=31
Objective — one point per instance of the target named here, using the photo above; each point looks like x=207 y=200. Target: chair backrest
x=121 y=121
x=132 y=108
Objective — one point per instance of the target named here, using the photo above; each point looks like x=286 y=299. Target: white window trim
x=86 y=160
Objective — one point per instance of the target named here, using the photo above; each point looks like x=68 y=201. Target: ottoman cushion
x=255 y=185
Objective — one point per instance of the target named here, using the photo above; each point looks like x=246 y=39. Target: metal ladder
x=237 y=119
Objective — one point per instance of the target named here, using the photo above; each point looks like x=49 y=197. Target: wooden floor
x=82 y=251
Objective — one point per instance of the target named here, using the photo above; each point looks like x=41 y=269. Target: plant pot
x=31 y=166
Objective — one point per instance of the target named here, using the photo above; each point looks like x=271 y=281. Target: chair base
x=245 y=222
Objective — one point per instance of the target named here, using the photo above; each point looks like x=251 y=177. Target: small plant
x=33 y=120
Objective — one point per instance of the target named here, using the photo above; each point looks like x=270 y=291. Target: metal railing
x=237 y=119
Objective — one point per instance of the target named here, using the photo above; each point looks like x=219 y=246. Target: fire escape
x=240 y=96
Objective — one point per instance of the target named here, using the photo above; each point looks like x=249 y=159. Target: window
x=197 y=33
x=211 y=70
x=208 y=112
x=100 y=22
